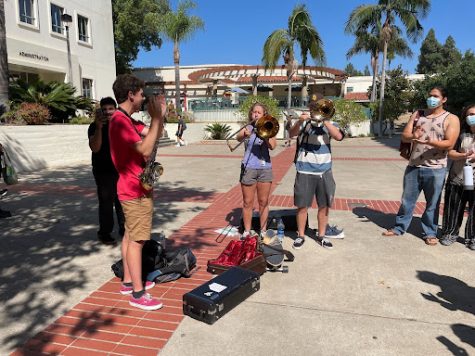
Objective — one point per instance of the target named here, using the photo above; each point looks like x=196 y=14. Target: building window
x=26 y=11
x=83 y=28
x=349 y=89
x=56 y=24
x=87 y=88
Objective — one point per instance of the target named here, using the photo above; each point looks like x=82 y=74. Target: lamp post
x=67 y=19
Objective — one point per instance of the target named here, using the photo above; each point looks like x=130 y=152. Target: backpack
x=153 y=257
x=178 y=263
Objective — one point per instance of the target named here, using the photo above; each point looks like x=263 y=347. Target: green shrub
x=172 y=118
x=32 y=114
x=59 y=98
x=348 y=112
x=11 y=118
x=81 y=120
x=270 y=103
x=218 y=131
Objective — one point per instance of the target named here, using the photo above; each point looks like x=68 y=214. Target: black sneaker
x=298 y=242
x=5 y=214
x=107 y=239
x=324 y=242
x=3 y=192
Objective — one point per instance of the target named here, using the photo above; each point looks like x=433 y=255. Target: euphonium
x=265 y=127
x=152 y=171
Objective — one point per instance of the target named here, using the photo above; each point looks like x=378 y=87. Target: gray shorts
x=308 y=185
x=252 y=176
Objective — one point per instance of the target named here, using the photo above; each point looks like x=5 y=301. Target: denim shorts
x=307 y=186
x=252 y=176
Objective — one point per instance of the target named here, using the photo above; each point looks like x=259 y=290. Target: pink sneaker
x=124 y=290
x=146 y=302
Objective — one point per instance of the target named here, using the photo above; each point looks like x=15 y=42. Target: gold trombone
x=324 y=108
x=265 y=127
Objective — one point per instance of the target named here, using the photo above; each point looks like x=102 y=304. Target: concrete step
x=166 y=142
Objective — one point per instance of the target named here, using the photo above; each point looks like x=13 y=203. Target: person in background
x=179 y=132
x=433 y=132
x=104 y=172
x=456 y=197
x=256 y=170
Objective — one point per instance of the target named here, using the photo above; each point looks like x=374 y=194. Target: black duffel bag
x=153 y=257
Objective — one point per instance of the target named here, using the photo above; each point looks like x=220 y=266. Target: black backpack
x=179 y=263
x=153 y=257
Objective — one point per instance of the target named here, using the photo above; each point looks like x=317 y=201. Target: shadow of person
x=465 y=333
x=454 y=295
x=452 y=347
x=386 y=221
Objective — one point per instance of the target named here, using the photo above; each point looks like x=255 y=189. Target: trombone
x=265 y=127
x=324 y=108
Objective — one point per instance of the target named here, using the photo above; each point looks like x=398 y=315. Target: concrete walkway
x=368 y=296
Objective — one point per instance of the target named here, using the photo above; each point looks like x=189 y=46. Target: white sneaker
x=178 y=145
x=245 y=234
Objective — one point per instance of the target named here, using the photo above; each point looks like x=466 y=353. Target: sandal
x=390 y=233
x=431 y=241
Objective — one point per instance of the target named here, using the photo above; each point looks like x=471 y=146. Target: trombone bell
x=266 y=127
x=323 y=107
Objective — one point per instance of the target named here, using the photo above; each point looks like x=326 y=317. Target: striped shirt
x=314 y=155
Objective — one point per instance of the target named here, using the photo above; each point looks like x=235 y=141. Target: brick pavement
x=104 y=323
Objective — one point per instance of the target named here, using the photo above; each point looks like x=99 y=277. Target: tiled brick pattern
x=104 y=323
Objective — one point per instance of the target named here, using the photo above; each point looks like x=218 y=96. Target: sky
x=235 y=31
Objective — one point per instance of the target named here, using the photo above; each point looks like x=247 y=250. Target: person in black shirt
x=104 y=172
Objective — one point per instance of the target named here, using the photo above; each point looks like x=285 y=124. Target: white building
x=37 y=43
x=356 y=88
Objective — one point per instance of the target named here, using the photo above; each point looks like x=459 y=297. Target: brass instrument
x=152 y=171
x=265 y=127
x=324 y=108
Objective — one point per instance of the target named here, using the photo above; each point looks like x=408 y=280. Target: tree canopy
x=137 y=24
x=435 y=57
x=458 y=79
x=352 y=71
x=179 y=26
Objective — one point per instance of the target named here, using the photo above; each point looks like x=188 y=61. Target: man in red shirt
x=129 y=153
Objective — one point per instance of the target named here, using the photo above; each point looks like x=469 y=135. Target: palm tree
x=178 y=27
x=372 y=43
x=3 y=62
x=300 y=31
x=365 y=17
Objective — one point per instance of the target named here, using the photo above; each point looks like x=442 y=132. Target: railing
x=217 y=104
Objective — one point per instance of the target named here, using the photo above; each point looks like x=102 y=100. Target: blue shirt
x=257 y=152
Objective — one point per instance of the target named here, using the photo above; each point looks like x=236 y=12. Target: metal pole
x=70 y=66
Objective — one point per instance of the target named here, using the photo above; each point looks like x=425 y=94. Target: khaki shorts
x=138 y=218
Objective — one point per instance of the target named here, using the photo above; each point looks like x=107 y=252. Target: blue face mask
x=432 y=102
x=470 y=120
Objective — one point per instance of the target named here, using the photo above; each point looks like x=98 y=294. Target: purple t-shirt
x=257 y=152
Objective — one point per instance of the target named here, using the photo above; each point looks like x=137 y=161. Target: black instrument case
x=215 y=298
